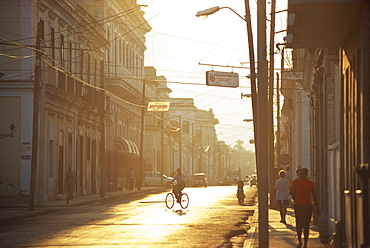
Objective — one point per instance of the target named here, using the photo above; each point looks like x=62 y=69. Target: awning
x=126 y=145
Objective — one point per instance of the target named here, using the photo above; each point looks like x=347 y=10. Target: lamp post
x=142 y=126
x=204 y=14
x=35 y=119
x=103 y=180
x=260 y=120
x=262 y=161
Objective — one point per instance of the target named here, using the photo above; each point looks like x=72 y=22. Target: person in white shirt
x=282 y=186
x=177 y=190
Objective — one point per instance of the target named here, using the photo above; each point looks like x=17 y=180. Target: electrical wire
x=17 y=57
x=92 y=86
x=69 y=74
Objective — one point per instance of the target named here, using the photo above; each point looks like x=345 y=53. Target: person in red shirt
x=303 y=192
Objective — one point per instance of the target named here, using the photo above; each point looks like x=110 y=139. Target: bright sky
x=179 y=41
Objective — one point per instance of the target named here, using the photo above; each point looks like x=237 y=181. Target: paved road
x=212 y=218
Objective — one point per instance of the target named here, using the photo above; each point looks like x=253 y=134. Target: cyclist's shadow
x=179 y=212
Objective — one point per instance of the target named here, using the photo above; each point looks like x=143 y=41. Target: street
x=213 y=219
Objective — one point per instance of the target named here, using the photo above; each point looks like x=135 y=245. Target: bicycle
x=171 y=198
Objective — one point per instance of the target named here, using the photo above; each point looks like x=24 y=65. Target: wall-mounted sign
x=158 y=106
x=26 y=157
x=223 y=79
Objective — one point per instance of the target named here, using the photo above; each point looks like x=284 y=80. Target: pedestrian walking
x=131 y=179
x=288 y=175
x=282 y=186
x=303 y=192
x=70 y=184
x=297 y=172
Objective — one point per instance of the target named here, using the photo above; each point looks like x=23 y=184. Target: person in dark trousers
x=303 y=192
x=240 y=192
x=282 y=186
x=177 y=190
x=70 y=183
x=131 y=179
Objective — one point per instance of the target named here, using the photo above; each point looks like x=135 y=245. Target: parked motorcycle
x=240 y=192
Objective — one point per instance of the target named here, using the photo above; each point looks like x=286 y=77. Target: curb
x=251 y=233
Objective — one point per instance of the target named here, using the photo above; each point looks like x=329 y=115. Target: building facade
x=91 y=74
x=74 y=89
x=332 y=38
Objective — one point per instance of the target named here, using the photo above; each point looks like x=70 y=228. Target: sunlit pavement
x=11 y=211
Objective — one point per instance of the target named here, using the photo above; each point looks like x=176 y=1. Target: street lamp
x=203 y=14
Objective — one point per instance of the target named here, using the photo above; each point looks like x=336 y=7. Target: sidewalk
x=281 y=235
x=18 y=211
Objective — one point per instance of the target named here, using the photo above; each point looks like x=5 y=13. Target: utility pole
x=262 y=159
x=41 y=148
x=102 y=138
x=278 y=116
x=271 y=159
x=141 y=158
x=180 y=143
x=201 y=150
x=162 y=149
x=252 y=72
x=192 y=150
x=281 y=83
x=35 y=128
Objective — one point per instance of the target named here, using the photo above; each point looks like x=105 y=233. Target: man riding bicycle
x=177 y=190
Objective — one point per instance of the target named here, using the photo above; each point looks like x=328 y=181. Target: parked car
x=253 y=180
x=199 y=179
x=153 y=178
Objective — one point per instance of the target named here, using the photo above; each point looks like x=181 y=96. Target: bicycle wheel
x=170 y=200
x=184 y=201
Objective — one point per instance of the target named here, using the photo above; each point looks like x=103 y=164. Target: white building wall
x=14 y=104
x=300 y=130
x=306 y=144
x=26 y=139
x=294 y=132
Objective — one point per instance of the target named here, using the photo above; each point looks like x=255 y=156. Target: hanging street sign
x=223 y=79
x=159 y=106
